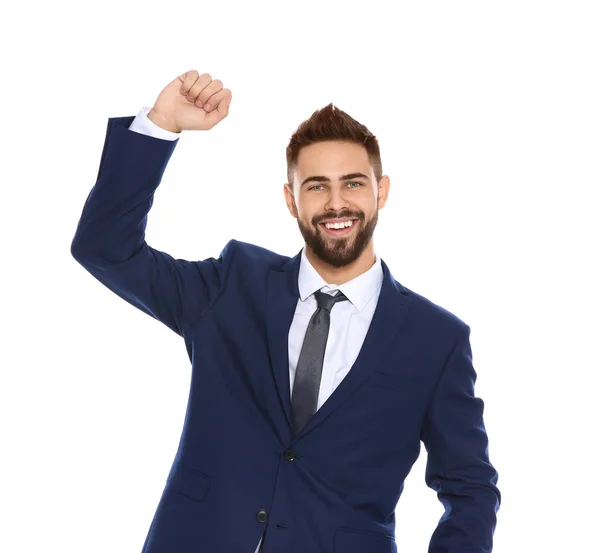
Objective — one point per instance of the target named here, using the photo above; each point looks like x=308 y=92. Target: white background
x=487 y=115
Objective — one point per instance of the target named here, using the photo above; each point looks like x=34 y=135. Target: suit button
x=289 y=455
x=261 y=516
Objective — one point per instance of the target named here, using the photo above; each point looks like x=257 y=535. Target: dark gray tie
x=307 y=381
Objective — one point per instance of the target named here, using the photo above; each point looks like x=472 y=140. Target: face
x=337 y=192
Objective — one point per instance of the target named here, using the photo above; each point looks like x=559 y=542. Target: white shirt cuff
x=143 y=125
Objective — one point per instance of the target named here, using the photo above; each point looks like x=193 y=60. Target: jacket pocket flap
x=190 y=482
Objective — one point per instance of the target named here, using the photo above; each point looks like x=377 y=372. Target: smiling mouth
x=341 y=231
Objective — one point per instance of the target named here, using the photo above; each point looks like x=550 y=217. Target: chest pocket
x=406 y=374
x=396 y=382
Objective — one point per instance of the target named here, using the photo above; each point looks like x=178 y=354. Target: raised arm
x=110 y=238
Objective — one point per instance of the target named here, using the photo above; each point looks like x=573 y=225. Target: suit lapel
x=282 y=299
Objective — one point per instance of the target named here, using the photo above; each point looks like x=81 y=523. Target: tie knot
x=327 y=301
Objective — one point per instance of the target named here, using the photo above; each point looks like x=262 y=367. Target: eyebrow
x=320 y=178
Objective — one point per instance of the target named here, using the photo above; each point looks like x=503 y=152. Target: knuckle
x=207 y=93
x=190 y=77
x=193 y=81
x=188 y=80
x=218 y=100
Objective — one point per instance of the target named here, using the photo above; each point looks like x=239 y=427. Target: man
x=314 y=378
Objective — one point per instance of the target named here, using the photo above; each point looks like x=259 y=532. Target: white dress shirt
x=349 y=320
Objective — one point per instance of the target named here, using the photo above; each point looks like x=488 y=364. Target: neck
x=340 y=275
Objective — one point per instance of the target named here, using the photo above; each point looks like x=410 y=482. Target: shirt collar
x=359 y=290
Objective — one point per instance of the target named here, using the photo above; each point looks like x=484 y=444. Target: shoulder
x=433 y=314
x=247 y=254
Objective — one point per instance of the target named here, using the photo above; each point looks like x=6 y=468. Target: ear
x=383 y=191
x=288 y=192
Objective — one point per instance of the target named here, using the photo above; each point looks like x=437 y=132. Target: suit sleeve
x=458 y=466
x=110 y=238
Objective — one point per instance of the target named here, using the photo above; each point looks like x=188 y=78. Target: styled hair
x=331 y=123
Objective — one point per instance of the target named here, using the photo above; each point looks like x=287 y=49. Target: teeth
x=339 y=225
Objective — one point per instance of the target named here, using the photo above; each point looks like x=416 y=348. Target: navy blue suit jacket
x=239 y=470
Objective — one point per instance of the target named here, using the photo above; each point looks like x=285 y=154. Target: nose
x=336 y=200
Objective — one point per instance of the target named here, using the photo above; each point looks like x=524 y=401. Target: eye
x=352 y=182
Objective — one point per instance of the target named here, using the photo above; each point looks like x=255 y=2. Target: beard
x=343 y=250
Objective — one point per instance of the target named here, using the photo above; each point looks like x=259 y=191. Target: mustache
x=322 y=218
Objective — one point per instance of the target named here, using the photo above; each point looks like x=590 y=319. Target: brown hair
x=331 y=123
